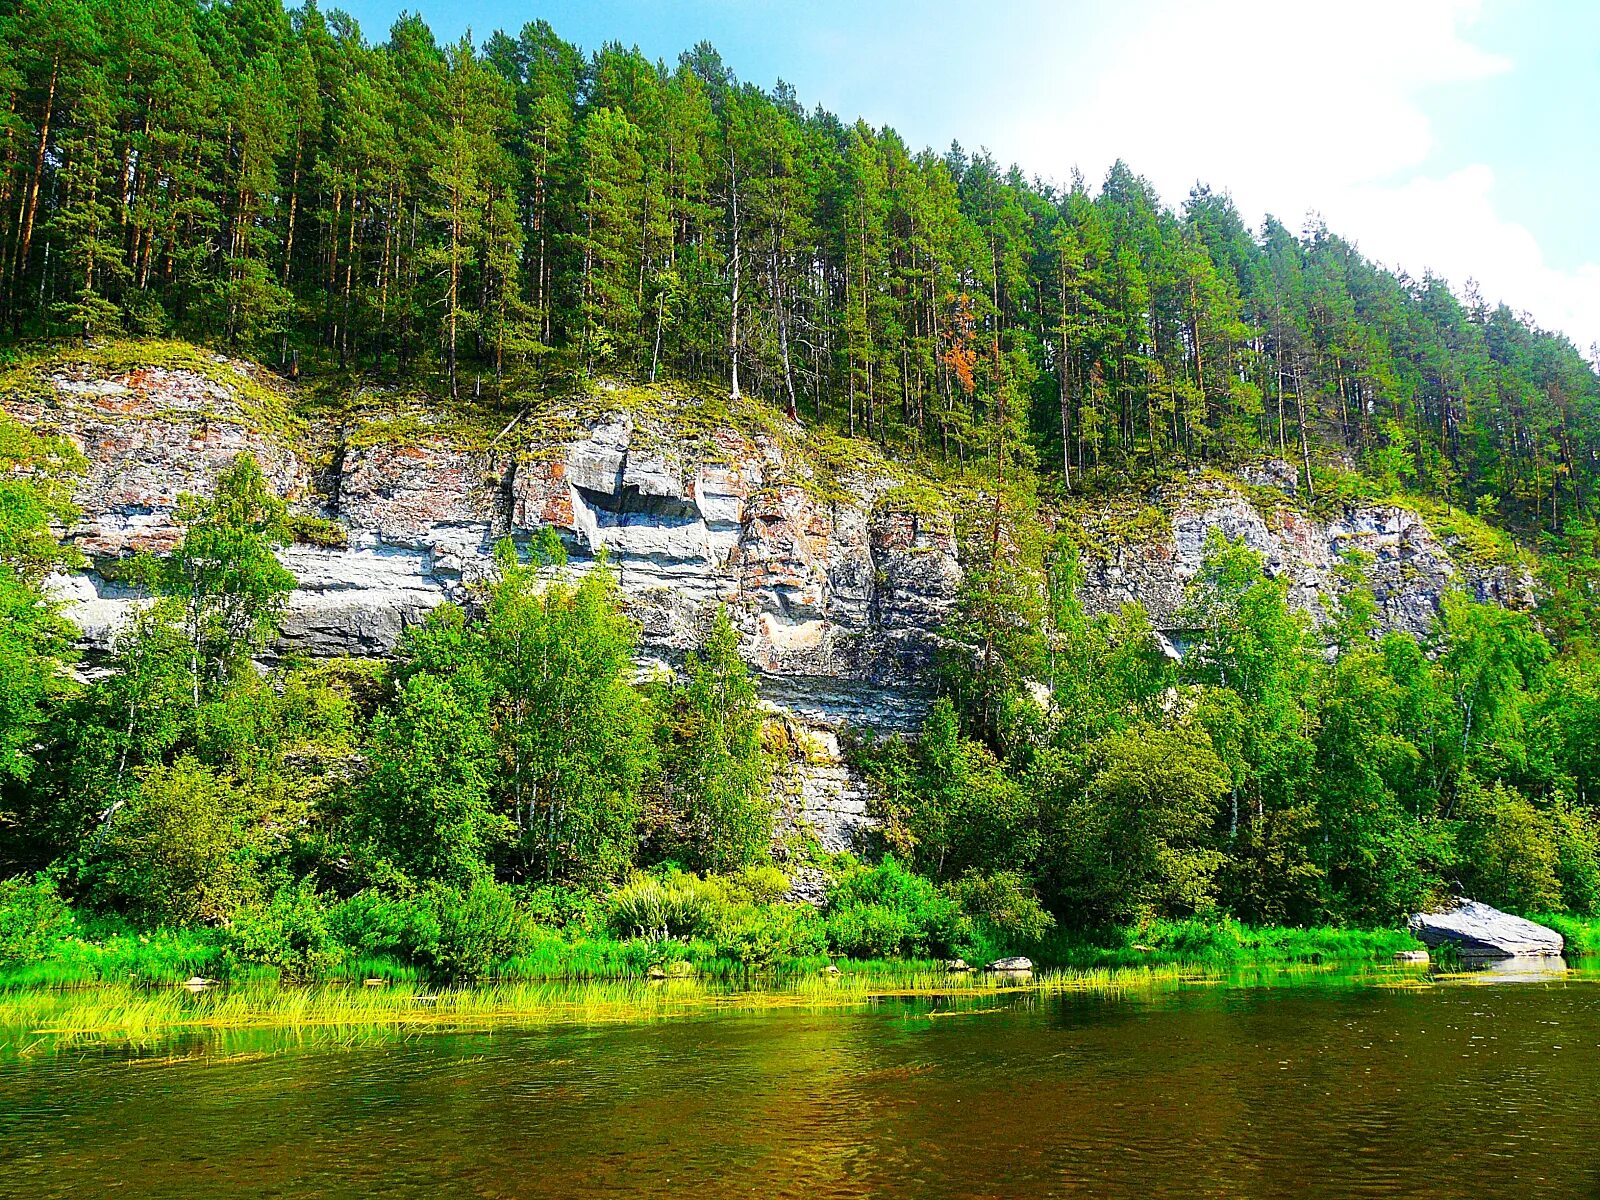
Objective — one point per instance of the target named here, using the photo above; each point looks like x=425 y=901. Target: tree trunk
x=733 y=324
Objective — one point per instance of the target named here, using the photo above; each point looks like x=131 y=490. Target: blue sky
x=1461 y=136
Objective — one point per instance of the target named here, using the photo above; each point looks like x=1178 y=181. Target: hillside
x=593 y=507
x=489 y=220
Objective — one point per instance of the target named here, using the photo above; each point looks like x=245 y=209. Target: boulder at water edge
x=1011 y=964
x=1478 y=931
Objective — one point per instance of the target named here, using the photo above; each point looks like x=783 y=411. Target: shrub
x=478 y=929
x=446 y=932
x=33 y=918
x=763 y=884
x=553 y=904
x=1004 y=903
x=180 y=852
x=318 y=531
x=675 y=905
x=291 y=932
x=887 y=911
x=1508 y=855
x=763 y=936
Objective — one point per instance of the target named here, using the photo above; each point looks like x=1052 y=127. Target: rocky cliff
x=837 y=590
x=838 y=568
x=838 y=584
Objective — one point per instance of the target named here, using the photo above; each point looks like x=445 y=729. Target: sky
x=1460 y=137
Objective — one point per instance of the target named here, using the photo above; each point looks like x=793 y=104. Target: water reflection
x=1522 y=968
x=1307 y=1090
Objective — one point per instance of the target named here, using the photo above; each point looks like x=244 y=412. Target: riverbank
x=167 y=957
x=44 y=1020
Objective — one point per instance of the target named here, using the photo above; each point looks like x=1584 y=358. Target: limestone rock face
x=1479 y=931
x=1411 y=567
x=838 y=591
x=838 y=600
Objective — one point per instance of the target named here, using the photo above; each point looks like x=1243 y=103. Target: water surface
x=1306 y=1091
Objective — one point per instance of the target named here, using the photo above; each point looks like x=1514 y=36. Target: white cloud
x=1296 y=106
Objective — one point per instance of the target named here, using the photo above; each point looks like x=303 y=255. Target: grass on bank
x=42 y=1021
x=173 y=956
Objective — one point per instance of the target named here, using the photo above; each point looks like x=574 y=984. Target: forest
x=518 y=217
x=519 y=213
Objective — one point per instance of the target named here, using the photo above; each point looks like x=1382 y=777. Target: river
x=1306 y=1090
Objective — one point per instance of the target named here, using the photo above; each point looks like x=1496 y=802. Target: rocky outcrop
x=1410 y=569
x=839 y=598
x=839 y=588
x=1479 y=931
x=816 y=791
x=837 y=580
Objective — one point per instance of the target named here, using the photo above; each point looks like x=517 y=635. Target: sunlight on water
x=1319 y=1085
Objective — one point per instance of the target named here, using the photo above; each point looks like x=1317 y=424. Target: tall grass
x=164 y=956
x=43 y=1021
x=122 y=1013
x=1582 y=934
x=1222 y=945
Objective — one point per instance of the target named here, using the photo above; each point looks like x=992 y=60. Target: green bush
x=765 y=936
x=558 y=906
x=1004 y=905
x=291 y=932
x=181 y=851
x=763 y=884
x=478 y=930
x=887 y=911
x=672 y=906
x=462 y=935
x=318 y=531
x=33 y=918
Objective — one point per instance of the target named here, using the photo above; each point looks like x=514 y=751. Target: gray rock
x=1479 y=931
x=838 y=594
x=1017 y=963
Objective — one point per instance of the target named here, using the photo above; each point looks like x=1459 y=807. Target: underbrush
x=733 y=928
x=1582 y=934
x=1222 y=944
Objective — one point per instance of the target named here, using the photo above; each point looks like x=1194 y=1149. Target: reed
x=120 y=1013
x=1582 y=934
x=151 y=1017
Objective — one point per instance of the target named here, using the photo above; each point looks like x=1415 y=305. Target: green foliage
x=456 y=934
x=954 y=808
x=290 y=932
x=886 y=911
x=35 y=643
x=1140 y=831
x=719 y=774
x=318 y=531
x=33 y=918
x=672 y=906
x=1508 y=857
x=425 y=812
x=226 y=584
x=1004 y=905
x=183 y=850
x=575 y=738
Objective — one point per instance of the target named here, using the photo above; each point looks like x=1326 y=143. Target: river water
x=1302 y=1090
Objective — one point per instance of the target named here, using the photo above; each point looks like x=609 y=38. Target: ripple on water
x=1307 y=1092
